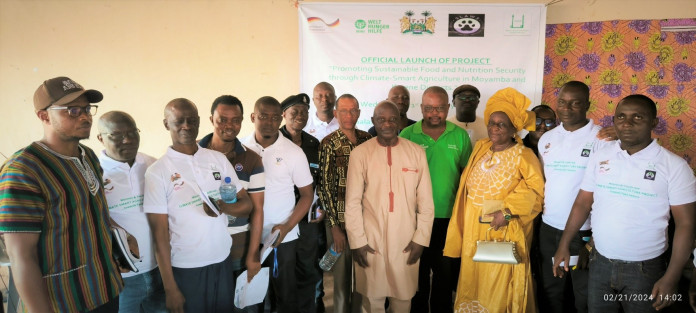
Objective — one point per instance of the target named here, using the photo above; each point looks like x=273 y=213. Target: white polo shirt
x=564 y=156
x=123 y=186
x=285 y=166
x=477 y=129
x=318 y=128
x=632 y=198
x=173 y=186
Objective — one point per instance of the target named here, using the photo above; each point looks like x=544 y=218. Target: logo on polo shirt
x=107 y=185
x=238 y=167
x=604 y=166
x=650 y=175
x=585 y=153
x=174 y=178
x=278 y=160
x=217 y=175
x=453 y=147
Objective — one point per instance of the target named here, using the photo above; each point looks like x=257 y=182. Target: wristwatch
x=507 y=216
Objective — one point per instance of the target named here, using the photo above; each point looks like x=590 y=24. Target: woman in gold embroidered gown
x=500 y=168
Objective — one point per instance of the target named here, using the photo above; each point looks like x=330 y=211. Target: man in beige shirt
x=389 y=213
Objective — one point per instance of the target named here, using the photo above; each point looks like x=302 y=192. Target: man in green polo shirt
x=447 y=148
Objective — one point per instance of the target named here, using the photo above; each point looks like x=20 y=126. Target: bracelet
x=588 y=247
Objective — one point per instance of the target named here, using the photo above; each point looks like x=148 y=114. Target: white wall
x=141 y=54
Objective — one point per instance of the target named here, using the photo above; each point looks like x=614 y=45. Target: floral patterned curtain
x=619 y=58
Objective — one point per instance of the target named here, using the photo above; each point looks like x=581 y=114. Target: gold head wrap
x=514 y=104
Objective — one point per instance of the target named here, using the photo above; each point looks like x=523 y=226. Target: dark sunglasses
x=547 y=123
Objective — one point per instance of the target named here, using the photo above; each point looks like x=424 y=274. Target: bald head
x=179 y=104
x=324 y=97
x=400 y=96
x=182 y=121
x=397 y=89
x=436 y=90
x=325 y=86
x=386 y=121
x=119 y=135
x=385 y=105
x=110 y=119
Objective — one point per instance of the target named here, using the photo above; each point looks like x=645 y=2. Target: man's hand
x=134 y=249
x=583 y=258
x=607 y=134
x=175 y=301
x=319 y=217
x=208 y=211
x=253 y=268
x=562 y=255
x=415 y=250
x=663 y=293
x=339 y=238
x=360 y=255
x=284 y=229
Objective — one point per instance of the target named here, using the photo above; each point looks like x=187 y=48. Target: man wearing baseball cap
x=53 y=211
x=465 y=99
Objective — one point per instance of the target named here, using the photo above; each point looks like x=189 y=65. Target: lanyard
x=275 y=262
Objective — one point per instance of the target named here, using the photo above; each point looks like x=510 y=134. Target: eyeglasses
x=274 y=118
x=547 y=123
x=120 y=136
x=76 y=111
x=429 y=109
x=468 y=98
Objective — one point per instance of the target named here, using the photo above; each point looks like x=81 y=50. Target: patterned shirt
x=61 y=199
x=334 y=152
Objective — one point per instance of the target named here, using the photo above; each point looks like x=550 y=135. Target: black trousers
x=306 y=270
x=209 y=288
x=283 y=285
x=445 y=272
x=552 y=289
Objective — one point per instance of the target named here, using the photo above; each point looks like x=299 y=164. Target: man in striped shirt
x=53 y=211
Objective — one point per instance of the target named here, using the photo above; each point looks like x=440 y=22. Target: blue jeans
x=143 y=293
x=615 y=284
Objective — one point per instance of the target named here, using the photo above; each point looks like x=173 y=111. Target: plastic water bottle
x=329 y=259
x=228 y=192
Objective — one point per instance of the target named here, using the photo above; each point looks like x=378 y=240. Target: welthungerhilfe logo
x=373 y=26
x=417 y=24
x=360 y=25
x=466 y=25
x=650 y=175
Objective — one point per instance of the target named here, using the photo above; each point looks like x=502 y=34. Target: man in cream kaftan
x=389 y=209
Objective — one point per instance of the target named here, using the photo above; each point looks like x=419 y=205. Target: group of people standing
x=404 y=204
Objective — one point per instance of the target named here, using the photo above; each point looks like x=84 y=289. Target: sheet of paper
x=207 y=201
x=250 y=293
x=268 y=243
x=573 y=261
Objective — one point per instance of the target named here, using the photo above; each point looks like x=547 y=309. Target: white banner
x=365 y=49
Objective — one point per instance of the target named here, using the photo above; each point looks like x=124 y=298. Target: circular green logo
x=360 y=24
